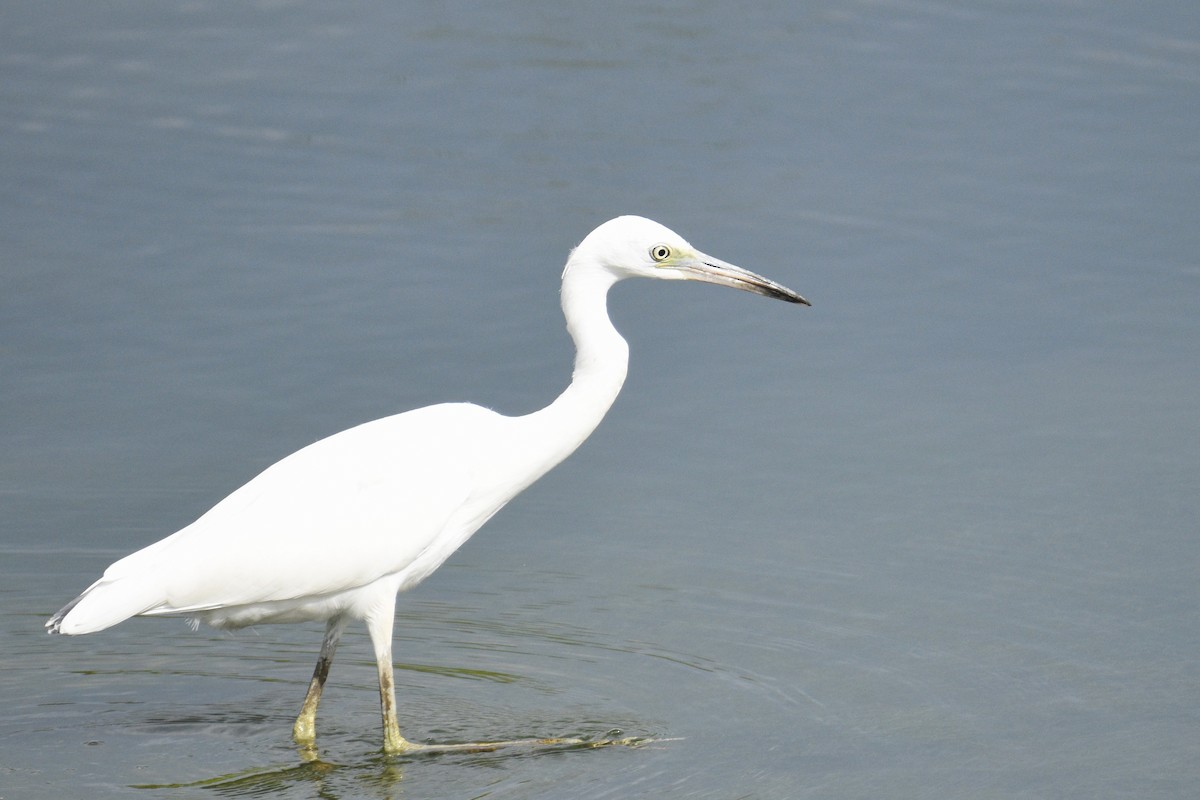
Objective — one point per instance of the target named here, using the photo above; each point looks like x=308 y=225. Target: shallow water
x=935 y=536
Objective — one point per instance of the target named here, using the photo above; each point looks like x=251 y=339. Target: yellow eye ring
x=660 y=252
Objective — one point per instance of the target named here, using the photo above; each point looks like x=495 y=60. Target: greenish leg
x=304 y=732
x=380 y=628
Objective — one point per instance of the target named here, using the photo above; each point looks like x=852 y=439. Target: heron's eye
x=660 y=252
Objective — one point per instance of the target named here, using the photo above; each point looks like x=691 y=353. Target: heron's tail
x=104 y=604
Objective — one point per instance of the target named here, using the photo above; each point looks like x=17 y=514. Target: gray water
x=936 y=536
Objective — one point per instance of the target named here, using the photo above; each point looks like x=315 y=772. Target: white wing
x=336 y=515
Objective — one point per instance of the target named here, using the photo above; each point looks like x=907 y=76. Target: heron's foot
x=395 y=744
x=565 y=743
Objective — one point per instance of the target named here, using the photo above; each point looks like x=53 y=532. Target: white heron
x=336 y=530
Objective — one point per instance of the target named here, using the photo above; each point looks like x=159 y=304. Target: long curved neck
x=601 y=363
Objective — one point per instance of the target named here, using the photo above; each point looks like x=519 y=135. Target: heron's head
x=636 y=247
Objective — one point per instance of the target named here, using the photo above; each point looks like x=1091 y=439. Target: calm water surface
x=936 y=536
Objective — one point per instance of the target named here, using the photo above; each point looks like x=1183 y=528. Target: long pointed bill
x=713 y=270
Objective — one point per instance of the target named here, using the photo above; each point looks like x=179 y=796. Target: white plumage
x=334 y=531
